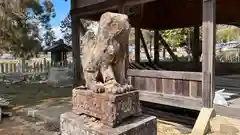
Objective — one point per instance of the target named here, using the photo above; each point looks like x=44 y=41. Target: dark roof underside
x=163 y=14
x=58 y=48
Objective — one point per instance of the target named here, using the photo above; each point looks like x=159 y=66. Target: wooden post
x=76 y=51
x=45 y=65
x=1 y=69
x=156 y=46
x=208 y=48
x=22 y=66
x=195 y=46
x=137 y=44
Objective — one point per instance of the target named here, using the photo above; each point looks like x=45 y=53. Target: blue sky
x=62 y=8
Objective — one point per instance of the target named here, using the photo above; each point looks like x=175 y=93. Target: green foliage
x=176 y=37
x=224 y=35
x=21 y=20
x=66 y=28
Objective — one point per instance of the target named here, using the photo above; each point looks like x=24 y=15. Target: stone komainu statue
x=104 y=55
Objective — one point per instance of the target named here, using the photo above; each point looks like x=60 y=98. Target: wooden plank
x=194 y=76
x=177 y=101
x=185 y=88
x=151 y=84
x=179 y=87
x=159 y=87
x=137 y=83
x=193 y=88
x=208 y=47
x=199 y=91
x=133 y=81
x=202 y=126
x=142 y=83
x=137 y=44
x=168 y=86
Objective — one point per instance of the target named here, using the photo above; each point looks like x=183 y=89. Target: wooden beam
x=193 y=76
x=137 y=2
x=171 y=100
x=164 y=43
x=156 y=46
x=145 y=47
x=137 y=44
x=202 y=124
x=208 y=48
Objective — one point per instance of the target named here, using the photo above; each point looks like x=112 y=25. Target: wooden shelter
x=192 y=90
x=58 y=51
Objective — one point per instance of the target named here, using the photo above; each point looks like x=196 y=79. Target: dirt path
x=11 y=127
x=34 y=94
x=23 y=96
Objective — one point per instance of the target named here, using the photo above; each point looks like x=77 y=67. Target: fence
x=29 y=66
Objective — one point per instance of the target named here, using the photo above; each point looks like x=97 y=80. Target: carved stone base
x=110 y=109
x=72 y=124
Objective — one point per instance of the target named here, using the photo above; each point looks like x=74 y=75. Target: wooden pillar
x=77 y=67
x=156 y=46
x=137 y=44
x=208 y=48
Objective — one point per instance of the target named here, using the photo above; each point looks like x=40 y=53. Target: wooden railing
x=183 y=89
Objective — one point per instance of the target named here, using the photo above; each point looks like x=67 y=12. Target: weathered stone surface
x=104 y=55
x=110 y=109
x=72 y=124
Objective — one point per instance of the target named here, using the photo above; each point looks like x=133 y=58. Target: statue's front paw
x=98 y=88
x=115 y=90
x=128 y=88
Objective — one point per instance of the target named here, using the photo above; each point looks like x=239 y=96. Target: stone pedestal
x=73 y=124
x=110 y=109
